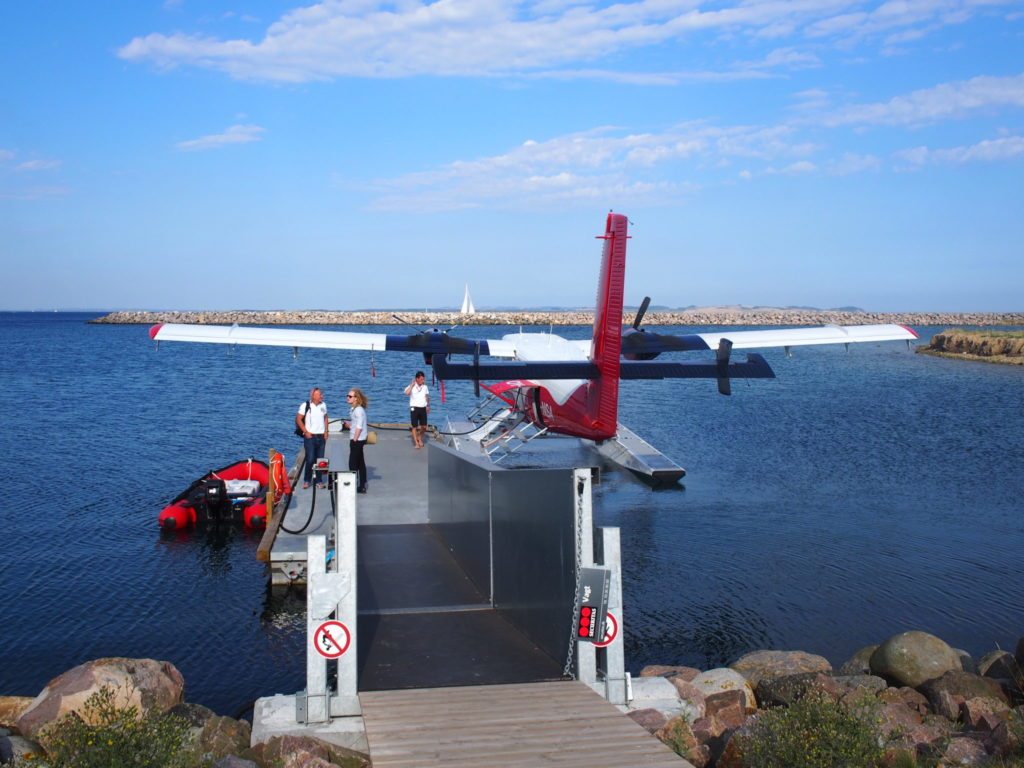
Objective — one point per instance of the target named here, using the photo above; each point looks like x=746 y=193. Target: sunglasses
x=348 y=396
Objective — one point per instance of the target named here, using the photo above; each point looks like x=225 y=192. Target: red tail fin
x=606 y=348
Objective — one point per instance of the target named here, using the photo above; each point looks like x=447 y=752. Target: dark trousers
x=315 y=447
x=356 y=460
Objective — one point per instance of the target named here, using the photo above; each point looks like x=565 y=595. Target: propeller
x=641 y=312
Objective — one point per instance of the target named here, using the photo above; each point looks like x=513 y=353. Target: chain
x=567 y=671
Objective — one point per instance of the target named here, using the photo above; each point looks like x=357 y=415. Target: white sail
x=467 y=304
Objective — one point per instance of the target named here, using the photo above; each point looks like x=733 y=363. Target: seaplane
x=549 y=385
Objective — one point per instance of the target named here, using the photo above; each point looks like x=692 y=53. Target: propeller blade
x=641 y=312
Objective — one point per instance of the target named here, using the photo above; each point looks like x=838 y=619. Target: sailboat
x=467 y=304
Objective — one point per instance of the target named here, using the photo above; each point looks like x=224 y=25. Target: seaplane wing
x=564 y=386
x=644 y=345
x=427 y=342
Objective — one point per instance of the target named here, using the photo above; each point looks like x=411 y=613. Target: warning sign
x=611 y=631
x=332 y=639
x=591 y=603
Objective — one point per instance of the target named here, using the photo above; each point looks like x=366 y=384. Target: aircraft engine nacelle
x=626 y=334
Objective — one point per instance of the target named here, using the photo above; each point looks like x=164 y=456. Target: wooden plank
x=563 y=724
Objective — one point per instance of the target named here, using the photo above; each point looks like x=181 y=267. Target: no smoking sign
x=332 y=639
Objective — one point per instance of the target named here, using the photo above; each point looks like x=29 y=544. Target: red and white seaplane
x=552 y=385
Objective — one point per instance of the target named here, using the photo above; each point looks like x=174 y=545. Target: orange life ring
x=284 y=488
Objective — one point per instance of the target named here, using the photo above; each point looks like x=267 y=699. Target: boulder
x=908 y=696
x=234 y=761
x=1003 y=740
x=661 y=670
x=279 y=749
x=650 y=719
x=963 y=751
x=728 y=708
x=966 y=661
x=11 y=708
x=1000 y=665
x=859 y=663
x=926 y=740
x=962 y=684
x=691 y=696
x=723 y=679
x=767 y=665
x=897 y=719
x=303 y=759
x=678 y=737
x=948 y=705
x=195 y=715
x=143 y=683
x=223 y=736
x=1019 y=655
x=783 y=691
x=983 y=714
x=912 y=658
x=709 y=734
x=856 y=683
x=18 y=748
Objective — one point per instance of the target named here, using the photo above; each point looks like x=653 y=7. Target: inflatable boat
x=236 y=493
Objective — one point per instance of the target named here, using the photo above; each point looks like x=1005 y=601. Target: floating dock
x=454 y=588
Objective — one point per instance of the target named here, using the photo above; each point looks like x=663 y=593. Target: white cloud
x=472 y=38
x=850 y=163
x=38 y=165
x=235 y=134
x=35 y=193
x=605 y=163
x=989 y=150
x=946 y=101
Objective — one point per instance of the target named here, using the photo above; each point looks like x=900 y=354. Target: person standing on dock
x=312 y=421
x=419 y=407
x=358 y=427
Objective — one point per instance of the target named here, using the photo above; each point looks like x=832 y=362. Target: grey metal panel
x=459 y=510
x=535 y=553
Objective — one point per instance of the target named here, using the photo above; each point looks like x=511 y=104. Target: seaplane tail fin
x=606 y=348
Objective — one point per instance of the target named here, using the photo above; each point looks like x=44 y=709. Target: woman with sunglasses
x=357 y=403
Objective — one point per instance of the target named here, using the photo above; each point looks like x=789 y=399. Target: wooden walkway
x=563 y=724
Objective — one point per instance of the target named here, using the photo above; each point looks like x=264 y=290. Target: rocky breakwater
x=700 y=316
x=912 y=700
x=132 y=712
x=988 y=346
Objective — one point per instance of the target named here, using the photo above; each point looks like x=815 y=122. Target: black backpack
x=298 y=430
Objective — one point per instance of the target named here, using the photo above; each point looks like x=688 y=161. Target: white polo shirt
x=316 y=419
x=418 y=396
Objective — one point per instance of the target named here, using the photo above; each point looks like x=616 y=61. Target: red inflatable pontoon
x=235 y=493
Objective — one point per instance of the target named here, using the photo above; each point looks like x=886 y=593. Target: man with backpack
x=312 y=424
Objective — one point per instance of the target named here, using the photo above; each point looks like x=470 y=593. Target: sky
x=347 y=154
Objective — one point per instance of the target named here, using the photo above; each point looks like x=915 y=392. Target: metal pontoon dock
x=457 y=581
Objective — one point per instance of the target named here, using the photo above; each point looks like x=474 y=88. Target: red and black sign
x=593 y=604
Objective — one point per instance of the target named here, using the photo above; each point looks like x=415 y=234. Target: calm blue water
x=858 y=495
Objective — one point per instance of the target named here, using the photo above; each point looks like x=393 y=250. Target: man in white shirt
x=312 y=421
x=419 y=407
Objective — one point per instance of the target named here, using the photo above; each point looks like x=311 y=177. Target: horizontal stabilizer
x=754 y=367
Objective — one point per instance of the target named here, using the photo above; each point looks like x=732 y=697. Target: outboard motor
x=209 y=498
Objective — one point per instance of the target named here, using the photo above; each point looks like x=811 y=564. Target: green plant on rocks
x=108 y=735
x=815 y=732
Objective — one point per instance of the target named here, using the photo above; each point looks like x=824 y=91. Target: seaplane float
x=549 y=385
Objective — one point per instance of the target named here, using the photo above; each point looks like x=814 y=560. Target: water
x=858 y=495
